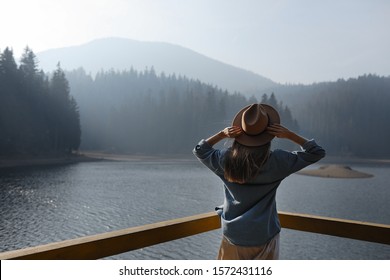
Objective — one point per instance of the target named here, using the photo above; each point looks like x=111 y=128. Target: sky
x=296 y=41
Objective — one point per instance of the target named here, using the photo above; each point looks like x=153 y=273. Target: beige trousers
x=268 y=251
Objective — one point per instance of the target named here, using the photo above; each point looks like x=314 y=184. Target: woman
x=251 y=174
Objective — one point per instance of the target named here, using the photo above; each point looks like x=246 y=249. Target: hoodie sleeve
x=210 y=157
x=291 y=162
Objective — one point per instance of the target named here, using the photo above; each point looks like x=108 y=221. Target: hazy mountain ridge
x=331 y=112
x=121 y=54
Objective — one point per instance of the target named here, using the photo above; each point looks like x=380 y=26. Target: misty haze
x=121 y=110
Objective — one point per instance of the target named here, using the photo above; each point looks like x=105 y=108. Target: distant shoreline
x=140 y=157
x=87 y=157
x=43 y=161
x=354 y=160
x=190 y=157
x=91 y=156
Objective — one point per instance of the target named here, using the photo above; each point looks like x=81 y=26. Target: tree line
x=349 y=117
x=141 y=112
x=38 y=116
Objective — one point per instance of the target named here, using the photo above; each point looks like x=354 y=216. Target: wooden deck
x=117 y=242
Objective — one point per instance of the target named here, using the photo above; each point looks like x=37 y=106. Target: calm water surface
x=39 y=205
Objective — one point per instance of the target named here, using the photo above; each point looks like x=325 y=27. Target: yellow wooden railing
x=117 y=242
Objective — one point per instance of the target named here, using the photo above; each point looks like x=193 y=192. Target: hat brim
x=264 y=137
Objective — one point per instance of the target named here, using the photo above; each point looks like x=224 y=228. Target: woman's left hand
x=232 y=131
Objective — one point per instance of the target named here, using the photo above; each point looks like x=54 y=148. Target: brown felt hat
x=253 y=120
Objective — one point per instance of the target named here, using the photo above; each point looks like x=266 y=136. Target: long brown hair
x=243 y=163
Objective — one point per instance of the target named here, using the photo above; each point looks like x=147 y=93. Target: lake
x=39 y=205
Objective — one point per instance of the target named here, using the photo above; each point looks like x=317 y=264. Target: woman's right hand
x=279 y=131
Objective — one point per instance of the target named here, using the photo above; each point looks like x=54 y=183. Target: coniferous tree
x=28 y=67
x=8 y=95
x=37 y=116
x=65 y=126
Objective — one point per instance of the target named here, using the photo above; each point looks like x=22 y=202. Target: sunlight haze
x=286 y=41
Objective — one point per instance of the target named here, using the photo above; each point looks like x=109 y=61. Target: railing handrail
x=117 y=242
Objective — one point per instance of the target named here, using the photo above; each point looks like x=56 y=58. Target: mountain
x=120 y=54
